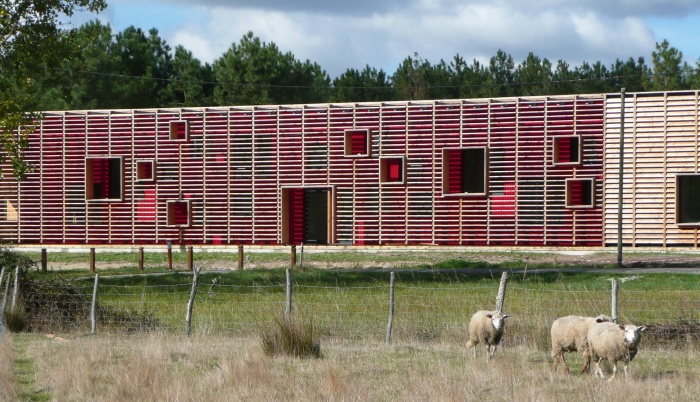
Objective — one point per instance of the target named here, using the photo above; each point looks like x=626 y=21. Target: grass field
x=427 y=359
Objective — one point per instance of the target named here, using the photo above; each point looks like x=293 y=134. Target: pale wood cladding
x=661 y=141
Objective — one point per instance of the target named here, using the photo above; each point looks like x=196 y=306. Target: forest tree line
x=137 y=69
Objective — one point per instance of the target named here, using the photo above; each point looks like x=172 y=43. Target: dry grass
x=225 y=368
x=8 y=381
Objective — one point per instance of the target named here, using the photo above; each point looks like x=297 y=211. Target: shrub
x=293 y=337
x=16 y=320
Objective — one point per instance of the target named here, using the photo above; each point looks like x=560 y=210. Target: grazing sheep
x=569 y=335
x=486 y=327
x=613 y=343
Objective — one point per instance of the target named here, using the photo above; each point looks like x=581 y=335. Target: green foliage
x=16 y=320
x=292 y=337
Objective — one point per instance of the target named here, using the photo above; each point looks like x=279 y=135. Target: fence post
x=2 y=276
x=301 y=257
x=293 y=256
x=391 y=309
x=288 y=310
x=7 y=292
x=170 y=255
x=240 y=257
x=140 y=258
x=190 y=258
x=44 y=260
x=93 y=308
x=190 y=304
x=15 y=295
x=613 y=304
x=92 y=260
x=500 y=298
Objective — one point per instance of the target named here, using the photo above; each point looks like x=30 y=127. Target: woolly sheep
x=486 y=327
x=613 y=342
x=569 y=335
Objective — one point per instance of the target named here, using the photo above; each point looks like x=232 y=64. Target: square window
x=179 y=213
x=391 y=170
x=104 y=178
x=465 y=171
x=688 y=200
x=145 y=170
x=179 y=130
x=580 y=193
x=357 y=143
x=567 y=150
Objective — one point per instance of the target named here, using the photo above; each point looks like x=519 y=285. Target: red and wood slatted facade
x=532 y=171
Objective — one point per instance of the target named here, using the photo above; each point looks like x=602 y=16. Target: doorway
x=306 y=215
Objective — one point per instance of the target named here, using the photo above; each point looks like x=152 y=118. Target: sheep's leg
x=556 y=361
x=614 y=371
x=566 y=366
x=586 y=362
x=598 y=371
x=493 y=351
x=625 y=367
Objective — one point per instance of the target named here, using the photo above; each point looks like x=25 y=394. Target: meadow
x=426 y=359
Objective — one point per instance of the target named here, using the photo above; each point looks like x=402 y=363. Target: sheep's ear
x=622 y=327
x=506 y=316
x=489 y=315
x=599 y=320
x=642 y=328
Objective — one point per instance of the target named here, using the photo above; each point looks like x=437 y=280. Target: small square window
x=688 y=200
x=465 y=171
x=392 y=170
x=145 y=170
x=104 y=178
x=358 y=143
x=567 y=150
x=179 y=213
x=179 y=130
x=580 y=193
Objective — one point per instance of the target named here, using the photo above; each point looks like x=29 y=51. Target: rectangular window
x=465 y=171
x=580 y=193
x=567 y=150
x=391 y=169
x=179 y=130
x=688 y=200
x=179 y=213
x=145 y=170
x=357 y=143
x=104 y=178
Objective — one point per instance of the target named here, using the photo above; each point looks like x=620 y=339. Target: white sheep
x=613 y=342
x=569 y=335
x=486 y=327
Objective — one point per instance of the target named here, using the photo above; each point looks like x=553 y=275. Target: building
x=527 y=171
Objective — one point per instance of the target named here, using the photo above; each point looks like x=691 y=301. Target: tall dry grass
x=225 y=368
x=8 y=381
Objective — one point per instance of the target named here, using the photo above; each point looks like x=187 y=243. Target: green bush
x=293 y=337
x=16 y=320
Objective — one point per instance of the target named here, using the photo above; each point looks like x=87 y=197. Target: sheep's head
x=498 y=320
x=633 y=333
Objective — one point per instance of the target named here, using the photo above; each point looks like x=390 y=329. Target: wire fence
x=422 y=311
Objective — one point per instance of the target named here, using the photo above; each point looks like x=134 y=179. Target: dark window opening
x=580 y=193
x=357 y=143
x=567 y=150
x=145 y=170
x=391 y=170
x=103 y=179
x=688 y=199
x=179 y=130
x=178 y=213
x=465 y=171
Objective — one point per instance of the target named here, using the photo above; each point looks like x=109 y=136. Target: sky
x=342 y=34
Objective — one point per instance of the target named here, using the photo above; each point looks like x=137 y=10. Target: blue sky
x=339 y=34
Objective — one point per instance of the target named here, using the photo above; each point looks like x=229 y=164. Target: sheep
x=486 y=327
x=569 y=335
x=613 y=342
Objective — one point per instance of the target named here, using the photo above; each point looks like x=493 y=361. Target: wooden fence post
x=93 y=308
x=170 y=255
x=15 y=295
x=391 y=309
x=190 y=258
x=140 y=258
x=2 y=276
x=500 y=298
x=301 y=257
x=240 y=257
x=44 y=260
x=92 y=260
x=288 y=310
x=7 y=292
x=190 y=304
x=613 y=304
x=293 y=256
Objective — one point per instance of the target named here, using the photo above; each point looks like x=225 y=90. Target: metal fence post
x=391 y=309
x=93 y=308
